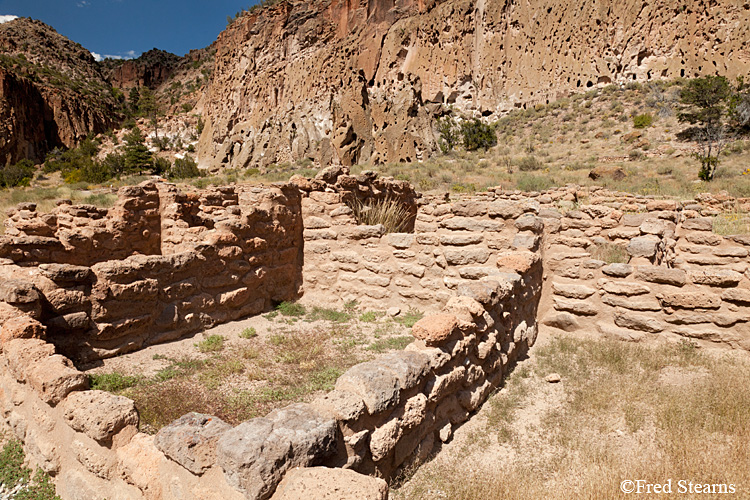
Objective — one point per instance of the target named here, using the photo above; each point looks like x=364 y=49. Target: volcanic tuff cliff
x=151 y=69
x=363 y=80
x=52 y=93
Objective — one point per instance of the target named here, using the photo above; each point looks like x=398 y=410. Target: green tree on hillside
x=134 y=98
x=137 y=156
x=705 y=104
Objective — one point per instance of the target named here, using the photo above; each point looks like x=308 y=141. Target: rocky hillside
x=151 y=69
x=52 y=92
x=358 y=81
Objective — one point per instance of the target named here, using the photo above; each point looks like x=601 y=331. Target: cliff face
x=151 y=69
x=362 y=80
x=52 y=93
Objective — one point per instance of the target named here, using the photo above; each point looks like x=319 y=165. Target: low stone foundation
x=485 y=267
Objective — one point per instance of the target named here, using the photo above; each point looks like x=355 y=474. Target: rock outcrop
x=151 y=69
x=52 y=93
x=363 y=81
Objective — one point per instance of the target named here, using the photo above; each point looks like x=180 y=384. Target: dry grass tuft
x=389 y=212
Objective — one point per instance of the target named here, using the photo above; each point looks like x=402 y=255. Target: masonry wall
x=229 y=255
x=487 y=267
x=451 y=244
x=680 y=281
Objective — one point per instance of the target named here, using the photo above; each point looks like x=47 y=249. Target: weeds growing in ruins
x=298 y=353
x=248 y=333
x=410 y=317
x=736 y=221
x=15 y=479
x=211 y=344
x=389 y=212
x=622 y=411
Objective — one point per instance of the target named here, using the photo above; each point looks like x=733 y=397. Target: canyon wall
x=349 y=82
x=52 y=93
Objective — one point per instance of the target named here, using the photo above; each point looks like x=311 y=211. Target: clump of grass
x=102 y=200
x=528 y=183
x=112 y=382
x=390 y=343
x=410 y=317
x=321 y=313
x=248 y=333
x=389 y=212
x=213 y=343
x=733 y=222
x=368 y=317
x=291 y=309
x=611 y=253
x=529 y=163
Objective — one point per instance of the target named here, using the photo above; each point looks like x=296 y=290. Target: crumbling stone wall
x=681 y=280
x=84 y=234
x=451 y=244
x=246 y=259
x=487 y=266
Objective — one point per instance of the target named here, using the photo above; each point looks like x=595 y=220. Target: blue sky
x=129 y=27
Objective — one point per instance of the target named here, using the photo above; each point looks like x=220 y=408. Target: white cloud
x=5 y=19
x=125 y=55
x=83 y=3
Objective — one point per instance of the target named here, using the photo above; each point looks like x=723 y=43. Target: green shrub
x=291 y=309
x=184 y=168
x=477 y=135
x=19 y=174
x=211 y=344
x=529 y=163
x=248 y=333
x=449 y=133
x=409 y=318
x=527 y=182
x=643 y=121
x=111 y=382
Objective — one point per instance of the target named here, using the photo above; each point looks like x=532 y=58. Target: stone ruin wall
x=176 y=269
x=488 y=266
x=682 y=281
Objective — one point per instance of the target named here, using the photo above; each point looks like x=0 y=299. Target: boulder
x=663 y=275
x=618 y=270
x=644 y=246
x=191 y=441
x=99 y=414
x=256 y=454
x=578 y=307
x=715 y=277
x=435 y=329
x=375 y=384
x=607 y=172
x=562 y=320
x=634 y=321
x=690 y=300
x=572 y=291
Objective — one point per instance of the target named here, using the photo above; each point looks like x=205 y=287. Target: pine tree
x=137 y=156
